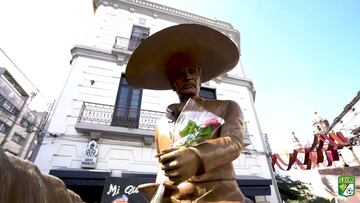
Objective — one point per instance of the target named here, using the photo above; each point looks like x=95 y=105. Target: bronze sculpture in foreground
x=181 y=58
x=21 y=181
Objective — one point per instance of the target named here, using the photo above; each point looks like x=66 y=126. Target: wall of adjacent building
x=346 y=123
x=17 y=138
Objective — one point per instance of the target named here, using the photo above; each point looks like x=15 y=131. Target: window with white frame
x=127 y=105
x=7 y=106
x=25 y=123
x=18 y=139
x=138 y=34
x=4 y=128
x=207 y=93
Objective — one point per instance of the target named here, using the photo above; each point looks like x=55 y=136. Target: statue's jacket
x=216 y=179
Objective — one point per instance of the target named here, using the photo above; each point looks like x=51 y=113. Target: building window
x=207 y=93
x=318 y=128
x=7 y=106
x=18 y=139
x=3 y=127
x=33 y=145
x=24 y=123
x=138 y=34
x=127 y=105
x=11 y=152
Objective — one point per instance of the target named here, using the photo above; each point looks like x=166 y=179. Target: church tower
x=320 y=125
x=296 y=142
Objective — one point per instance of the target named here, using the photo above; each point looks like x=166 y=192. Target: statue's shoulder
x=224 y=103
x=223 y=108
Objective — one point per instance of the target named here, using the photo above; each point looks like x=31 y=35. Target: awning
x=254 y=185
x=81 y=177
x=249 y=185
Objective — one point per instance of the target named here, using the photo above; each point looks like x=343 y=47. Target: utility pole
x=28 y=134
x=42 y=132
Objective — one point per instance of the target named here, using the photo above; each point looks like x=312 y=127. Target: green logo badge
x=346 y=186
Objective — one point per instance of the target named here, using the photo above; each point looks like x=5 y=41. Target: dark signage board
x=123 y=190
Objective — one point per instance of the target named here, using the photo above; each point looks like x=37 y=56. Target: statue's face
x=186 y=81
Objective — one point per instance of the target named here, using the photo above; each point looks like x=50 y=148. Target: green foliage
x=205 y=132
x=319 y=200
x=295 y=191
x=190 y=128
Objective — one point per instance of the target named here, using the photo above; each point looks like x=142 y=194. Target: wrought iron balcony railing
x=102 y=114
x=121 y=43
x=247 y=140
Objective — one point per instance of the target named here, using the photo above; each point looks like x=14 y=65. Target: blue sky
x=303 y=56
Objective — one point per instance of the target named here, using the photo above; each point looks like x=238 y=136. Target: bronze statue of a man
x=181 y=58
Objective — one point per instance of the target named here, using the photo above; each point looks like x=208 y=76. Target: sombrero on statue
x=211 y=50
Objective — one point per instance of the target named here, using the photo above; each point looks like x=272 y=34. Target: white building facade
x=348 y=122
x=96 y=104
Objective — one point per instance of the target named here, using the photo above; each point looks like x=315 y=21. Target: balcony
x=247 y=140
x=120 y=49
x=121 y=43
x=99 y=119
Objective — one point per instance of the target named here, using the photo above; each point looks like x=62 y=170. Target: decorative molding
x=120 y=133
x=90 y=52
x=347 y=108
x=117 y=56
x=171 y=14
x=235 y=80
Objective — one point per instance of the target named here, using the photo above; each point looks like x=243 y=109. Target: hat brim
x=214 y=52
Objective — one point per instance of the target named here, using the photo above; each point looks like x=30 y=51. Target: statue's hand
x=180 y=164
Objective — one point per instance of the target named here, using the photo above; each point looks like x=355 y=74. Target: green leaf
x=205 y=132
x=190 y=128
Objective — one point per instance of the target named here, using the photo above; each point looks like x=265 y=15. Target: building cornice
x=347 y=108
x=96 y=131
x=13 y=83
x=123 y=57
x=172 y=14
x=99 y=54
x=239 y=81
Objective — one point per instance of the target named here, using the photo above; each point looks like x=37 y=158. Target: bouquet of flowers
x=194 y=125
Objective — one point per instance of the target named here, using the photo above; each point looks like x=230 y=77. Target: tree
x=295 y=191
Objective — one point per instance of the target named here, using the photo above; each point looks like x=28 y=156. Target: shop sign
x=90 y=155
x=123 y=190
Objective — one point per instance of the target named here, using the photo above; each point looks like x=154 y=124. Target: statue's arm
x=216 y=152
